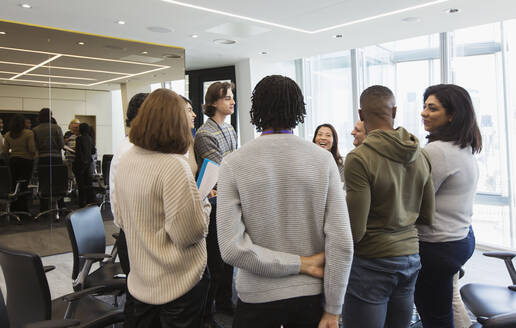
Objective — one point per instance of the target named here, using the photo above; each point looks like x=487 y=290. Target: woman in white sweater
x=163 y=216
x=454 y=137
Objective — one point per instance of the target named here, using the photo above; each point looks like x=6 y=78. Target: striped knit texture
x=281 y=197
x=159 y=207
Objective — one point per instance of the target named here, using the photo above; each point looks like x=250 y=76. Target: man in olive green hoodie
x=389 y=190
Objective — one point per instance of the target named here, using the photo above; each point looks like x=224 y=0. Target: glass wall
x=481 y=59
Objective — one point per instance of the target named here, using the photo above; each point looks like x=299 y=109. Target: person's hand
x=313 y=265
x=329 y=320
x=213 y=193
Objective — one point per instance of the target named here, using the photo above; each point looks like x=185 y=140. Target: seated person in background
x=358 y=133
x=325 y=136
x=389 y=188
x=84 y=148
x=280 y=202
x=160 y=209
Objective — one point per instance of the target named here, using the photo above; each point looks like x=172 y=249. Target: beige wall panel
x=10 y=103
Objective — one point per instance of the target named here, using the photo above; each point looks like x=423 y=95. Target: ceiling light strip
x=85 y=70
x=52 y=76
x=362 y=20
x=33 y=68
x=390 y=13
x=128 y=76
x=39 y=82
x=14 y=63
x=224 y=13
x=83 y=57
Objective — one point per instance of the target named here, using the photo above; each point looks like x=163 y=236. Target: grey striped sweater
x=281 y=197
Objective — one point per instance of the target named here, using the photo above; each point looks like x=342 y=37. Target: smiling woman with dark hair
x=454 y=137
x=325 y=136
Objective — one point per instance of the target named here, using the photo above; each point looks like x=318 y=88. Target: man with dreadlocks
x=282 y=219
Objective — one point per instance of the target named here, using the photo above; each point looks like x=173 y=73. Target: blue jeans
x=434 y=287
x=381 y=292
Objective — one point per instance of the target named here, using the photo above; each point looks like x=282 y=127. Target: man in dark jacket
x=389 y=190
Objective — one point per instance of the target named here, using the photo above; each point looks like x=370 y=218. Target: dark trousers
x=21 y=169
x=434 y=287
x=84 y=184
x=298 y=312
x=381 y=292
x=221 y=273
x=49 y=160
x=184 y=312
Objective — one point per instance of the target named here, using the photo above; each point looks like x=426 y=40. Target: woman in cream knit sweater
x=163 y=216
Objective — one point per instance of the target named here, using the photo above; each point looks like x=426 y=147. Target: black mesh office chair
x=86 y=231
x=493 y=306
x=53 y=186
x=7 y=197
x=28 y=296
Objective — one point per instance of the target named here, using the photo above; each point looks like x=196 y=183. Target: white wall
x=64 y=104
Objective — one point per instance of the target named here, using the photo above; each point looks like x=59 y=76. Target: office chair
x=493 y=306
x=54 y=186
x=106 y=164
x=8 y=197
x=86 y=231
x=28 y=298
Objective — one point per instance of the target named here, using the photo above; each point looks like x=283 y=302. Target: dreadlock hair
x=463 y=129
x=277 y=103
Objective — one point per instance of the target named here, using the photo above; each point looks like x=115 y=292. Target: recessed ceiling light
x=120 y=22
x=263 y=52
x=224 y=41
x=81 y=43
x=159 y=29
x=26 y=6
x=337 y=36
x=144 y=52
x=411 y=19
x=452 y=10
x=2 y=33
x=194 y=36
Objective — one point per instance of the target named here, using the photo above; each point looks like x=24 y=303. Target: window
x=477 y=65
x=407 y=67
x=328 y=96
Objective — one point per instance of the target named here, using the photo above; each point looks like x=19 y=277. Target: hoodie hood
x=398 y=145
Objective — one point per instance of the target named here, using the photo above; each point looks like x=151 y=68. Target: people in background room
x=389 y=190
x=214 y=140
x=49 y=140
x=358 y=133
x=84 y=149
x=3 y=160
x=190 y=114
x=454 y=138
x=158 y=206
x=325 y=136
x=28 y=123
x=20 y=147
x=69 y=149
x=276 y=216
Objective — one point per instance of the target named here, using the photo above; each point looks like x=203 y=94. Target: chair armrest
x=95 y=256
x=501 y=255
x=48 y=268
x=507 y=258
x=53 y=324
x=75 y=296
x=505 y=320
